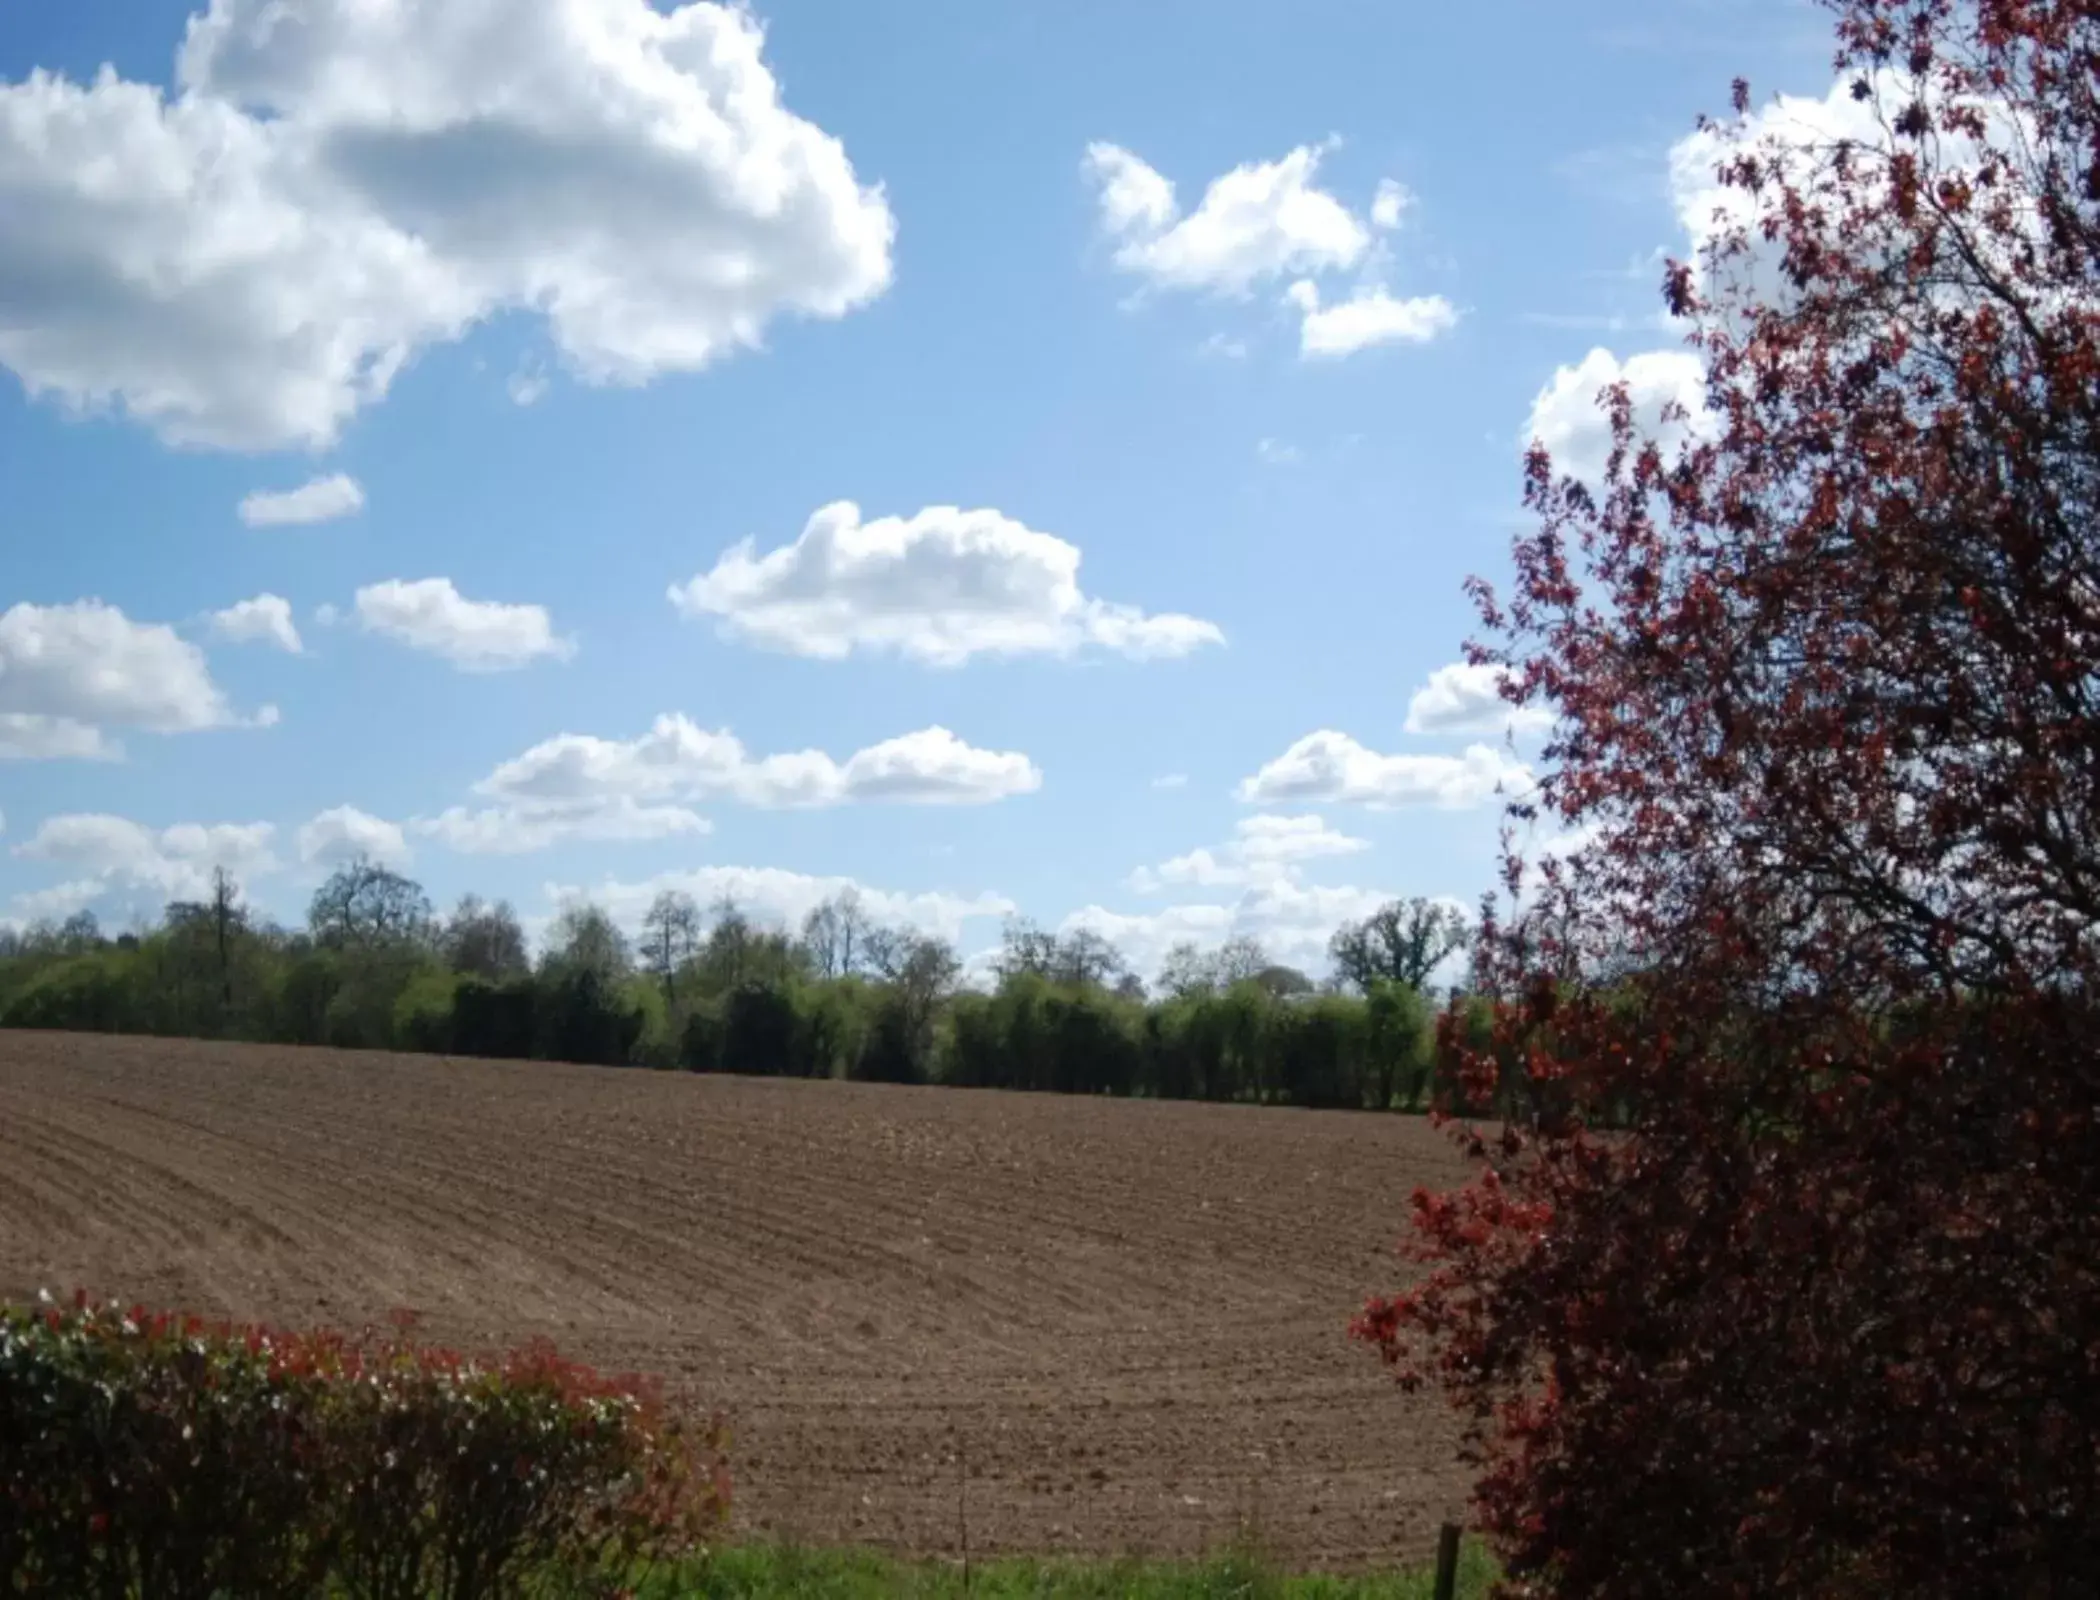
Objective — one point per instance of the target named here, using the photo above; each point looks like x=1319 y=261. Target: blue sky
x=546 y=309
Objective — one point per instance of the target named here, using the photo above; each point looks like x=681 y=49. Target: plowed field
x=1079 y=1325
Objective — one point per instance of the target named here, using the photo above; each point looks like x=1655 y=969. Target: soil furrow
x=1128 y=1318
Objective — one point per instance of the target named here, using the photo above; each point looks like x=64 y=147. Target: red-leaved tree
x=1782 y=1275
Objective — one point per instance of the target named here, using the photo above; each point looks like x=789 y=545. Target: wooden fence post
x=1447 y=1562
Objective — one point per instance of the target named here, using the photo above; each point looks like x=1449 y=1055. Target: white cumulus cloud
x=1264 y=220
x=940 y=586
x=1267 y=862
x=1134 y=198
x=1291 y=920
x=266 y=617
x=577 y=785
x=246 y=260
x=1797 y=129
x=929 y=767
x=1263 y=849
x=342 y=833
x=173 y=863
x=1260 y=220
x=1390 y=203
x=316 y=500
x=430 y=615
x=28 y=737
x=1370 y=316
x=58 y=901
x=1809 y=128
x=70 y=672
x=520 y=829
x=1331 y=767
x=1567 y=418
x=1467 y=698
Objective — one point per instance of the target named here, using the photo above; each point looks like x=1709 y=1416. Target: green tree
x=1316 y=1050
x=1079 y=957
x=670 y=935
x=762 y=1032
x=585 y=939
x=1396 y=1044
x=834 y=935
x=363 y=905
x=485 y=941
x=1279 y=982
x=582 y=1015
x=378 y=927
x=918 y=973
x=499 y=1021
x=91 y=992
x=1405 y=941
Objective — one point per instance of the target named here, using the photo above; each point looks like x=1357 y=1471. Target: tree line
x=712 y=989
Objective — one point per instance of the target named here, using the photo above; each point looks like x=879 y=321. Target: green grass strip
x=766 y=1571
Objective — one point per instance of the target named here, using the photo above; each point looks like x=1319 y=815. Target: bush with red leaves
x=1783 y=1275
x=145 y=1454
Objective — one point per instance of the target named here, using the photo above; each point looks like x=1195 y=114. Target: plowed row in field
x=1083 y=1325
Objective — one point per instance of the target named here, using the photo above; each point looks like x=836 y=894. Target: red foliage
x=1787 y=1281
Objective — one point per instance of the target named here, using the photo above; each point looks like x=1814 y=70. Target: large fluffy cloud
x=940 y=586
x=248 y=259
x=1331 y=767
x=1806 y=128
x=169 y=863
x=1565 y=415
x=430 y=615
x=581 y=786
x=69 y=672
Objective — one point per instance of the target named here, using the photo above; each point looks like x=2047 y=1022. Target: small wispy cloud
x=1600 y=322
x=1630 y=173
x=1390 y=204
x=528 y=384
x=317 y=500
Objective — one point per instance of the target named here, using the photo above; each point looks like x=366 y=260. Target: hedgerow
x=147 y=1453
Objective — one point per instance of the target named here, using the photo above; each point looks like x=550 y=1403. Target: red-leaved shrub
x=145 y=1454
x=1783 y=1275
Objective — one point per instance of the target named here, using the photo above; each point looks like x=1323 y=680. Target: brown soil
x=1127 y=1317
